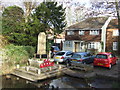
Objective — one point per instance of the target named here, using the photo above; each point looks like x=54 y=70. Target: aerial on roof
x=90 y=23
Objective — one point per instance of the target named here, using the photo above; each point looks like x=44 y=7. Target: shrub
x=12 y=55
x=30 y=50
x=16 y=54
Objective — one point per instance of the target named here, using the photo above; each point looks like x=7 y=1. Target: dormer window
x=70 y=33
x=94 y=32
x=81 y=32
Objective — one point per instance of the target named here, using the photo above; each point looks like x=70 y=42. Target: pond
x=56 y=82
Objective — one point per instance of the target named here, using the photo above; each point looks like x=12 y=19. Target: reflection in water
x=59 y=82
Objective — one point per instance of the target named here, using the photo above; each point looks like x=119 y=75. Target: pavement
x=114 y=72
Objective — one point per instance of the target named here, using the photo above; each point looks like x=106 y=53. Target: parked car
x=105 y=59
x=80 y=57
x=61 y=56
x=54 y=50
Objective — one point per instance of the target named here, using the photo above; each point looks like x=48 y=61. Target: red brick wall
x=85 y=37
x=110 y=39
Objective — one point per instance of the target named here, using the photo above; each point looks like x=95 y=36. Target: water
x=56 y=82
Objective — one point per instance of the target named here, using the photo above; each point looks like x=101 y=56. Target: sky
x=72 y=4
x=69 y=1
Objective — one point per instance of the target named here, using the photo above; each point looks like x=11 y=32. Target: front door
x=77 y=44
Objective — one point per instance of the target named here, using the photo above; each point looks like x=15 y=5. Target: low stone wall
x=35 y=63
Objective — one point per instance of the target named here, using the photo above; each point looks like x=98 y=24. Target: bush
x=12 y=55
x=16 y=54
x=30 y=50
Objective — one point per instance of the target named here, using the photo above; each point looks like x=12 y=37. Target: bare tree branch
x=29 y=6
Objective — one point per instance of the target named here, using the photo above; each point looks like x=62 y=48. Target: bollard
x=38 y=71
x=18 y=66
x=27 y=68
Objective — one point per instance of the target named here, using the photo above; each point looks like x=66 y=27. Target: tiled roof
x=90 y=23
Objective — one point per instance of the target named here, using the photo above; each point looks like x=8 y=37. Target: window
x=94 y=32
x=76 y=56
x=115 y=45
x=70 y=33
x=101 y=56
x=68 y=43
x=60 y=53
x=81 y=32
x=85 y=55
x=94 y=45
x=111 y=55
x=69 y=54
x=115 y=33
x=91 y=45
x=89 y=55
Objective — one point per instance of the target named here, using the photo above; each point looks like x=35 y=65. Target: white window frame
x=68 y=43
x=115 y=46
x=81 y=32
x=115 y=33
x=91 y=45
x=70 y=32
x=94 y=32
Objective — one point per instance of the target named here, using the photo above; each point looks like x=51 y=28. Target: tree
x=32 y=28
x=99 y=8
x=57 y=16
x=11 y=23
x=51 y=15
x=29 y=7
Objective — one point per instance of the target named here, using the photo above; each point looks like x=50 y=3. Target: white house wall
x=58 y=40
x=68 y=48
x=72 y=46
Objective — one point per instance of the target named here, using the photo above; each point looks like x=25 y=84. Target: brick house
x=98 y=33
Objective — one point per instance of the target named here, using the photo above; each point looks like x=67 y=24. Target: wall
x=110 y=39
x=85 y=37
x=66 y=48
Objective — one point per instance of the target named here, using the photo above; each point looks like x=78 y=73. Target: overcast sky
x=19 y=1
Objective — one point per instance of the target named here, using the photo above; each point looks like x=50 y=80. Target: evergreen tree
x=51 y=15
x=11 y=24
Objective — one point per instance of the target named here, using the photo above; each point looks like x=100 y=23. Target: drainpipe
x=103 y=36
